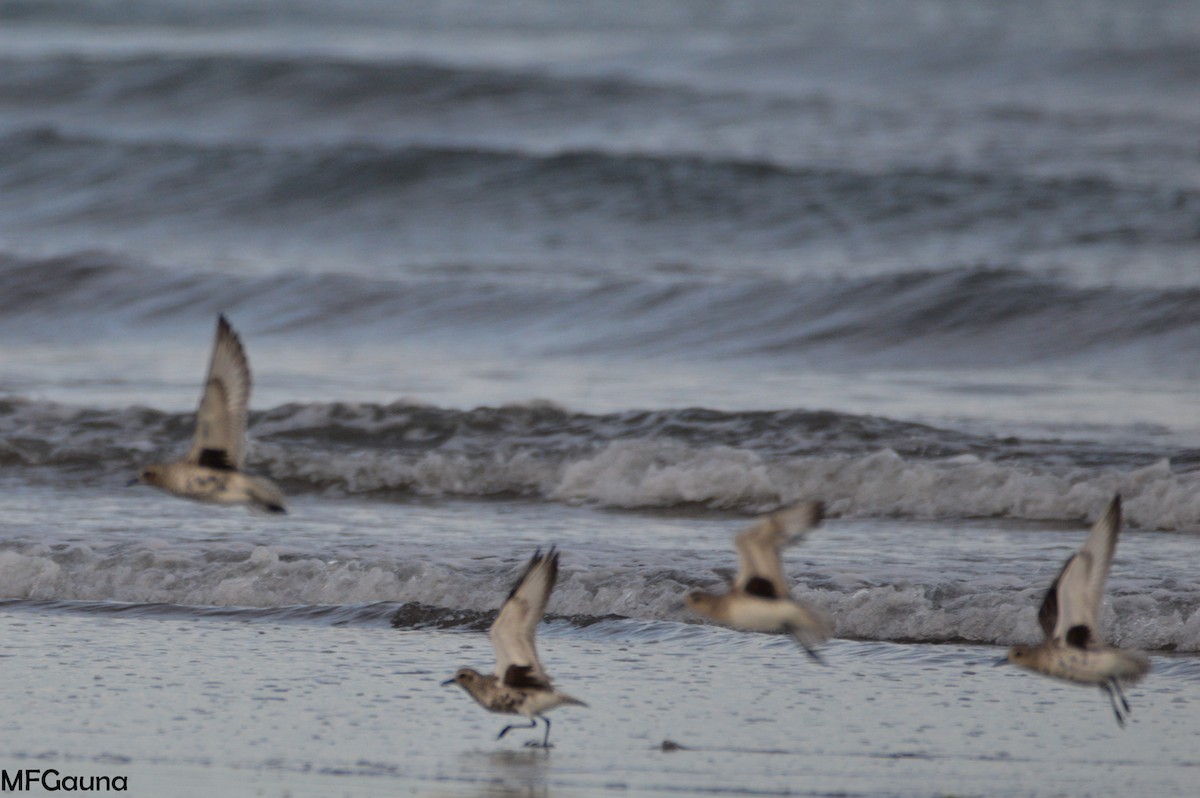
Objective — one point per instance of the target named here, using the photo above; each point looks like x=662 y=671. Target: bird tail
x=806 y=641
x=810 y=627
x=571 y=701
x=265 y=495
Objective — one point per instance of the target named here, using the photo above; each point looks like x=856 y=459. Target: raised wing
x=517 y=663
x=220 y=440
x=760 y=570
x=1071 y=610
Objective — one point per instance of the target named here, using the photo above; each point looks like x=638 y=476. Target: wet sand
x=204 y=707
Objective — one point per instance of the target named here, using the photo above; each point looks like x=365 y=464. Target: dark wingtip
x=277 y=508
x=1113 y=512
x=818 y=512
x=225 y=329
x=551 y=555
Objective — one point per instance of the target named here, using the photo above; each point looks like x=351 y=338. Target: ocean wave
x=303 y=84
x=749 y=461
x=262 y=583
x=600 y=200
x=957 y=318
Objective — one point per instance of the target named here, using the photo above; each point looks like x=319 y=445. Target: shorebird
x=519 y=685
x=211 y=471
x=1072 y=649
x=759 y=599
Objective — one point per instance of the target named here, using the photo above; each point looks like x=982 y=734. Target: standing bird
x=759 y=599
x=212 y=469
x=1072 y=649
x=520 y=685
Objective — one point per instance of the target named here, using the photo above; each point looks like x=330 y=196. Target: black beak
x=999 y=662
x=132 y=482
x=448 y=682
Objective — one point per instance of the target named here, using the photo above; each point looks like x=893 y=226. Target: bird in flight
x=1072 y=648
x=519 y=685
x=759 y=599
x=211 y=471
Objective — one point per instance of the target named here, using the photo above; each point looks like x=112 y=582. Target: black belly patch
x=763 y=588
x=1078 y=636
x=217 y=459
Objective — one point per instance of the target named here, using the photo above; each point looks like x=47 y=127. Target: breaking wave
x=259 y=583
x=861 y=466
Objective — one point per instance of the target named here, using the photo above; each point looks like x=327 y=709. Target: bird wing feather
x=1074 y=598
x=512 y=633
x=760 y=544
x=220 y=439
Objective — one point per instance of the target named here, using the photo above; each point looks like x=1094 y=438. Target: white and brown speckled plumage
x=211 y=471
x=1072 y=649
x=759 y=599
x=519 y=685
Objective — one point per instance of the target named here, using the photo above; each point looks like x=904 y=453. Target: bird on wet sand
x=519 y=685
x=1072 y=649
x=759 y=599
x=211 y=471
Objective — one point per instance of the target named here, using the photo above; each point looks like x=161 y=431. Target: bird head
x=1018 y=655
x=150 y=475
x=699 y=601
x=465 y=678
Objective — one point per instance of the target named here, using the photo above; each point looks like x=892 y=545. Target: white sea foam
x=743 y=461
x=273 y=577
x=658 y=473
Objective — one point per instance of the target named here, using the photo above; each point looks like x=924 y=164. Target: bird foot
x=536 y=744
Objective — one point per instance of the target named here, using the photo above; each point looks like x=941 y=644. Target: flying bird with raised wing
x=519 y=685
x=1072 y=648
x=211 y=471
x=759 y=599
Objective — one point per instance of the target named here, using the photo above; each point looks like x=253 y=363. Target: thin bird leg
x=1116 y=685
x=506 y=729
x=809 y=650
x=1112 y=699
x=545 y=743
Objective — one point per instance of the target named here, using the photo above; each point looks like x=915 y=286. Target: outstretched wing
x=517 y=663
x=760 y=570
x=1071 y=610
x=220 y=440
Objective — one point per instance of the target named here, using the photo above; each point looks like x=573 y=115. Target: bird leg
x=506 y=729
x=1116 y=685
x=1112 y=690
x=545 y=743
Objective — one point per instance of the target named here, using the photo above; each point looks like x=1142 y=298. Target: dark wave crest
x=659 y=203
x=304 y=85
x=958 y=317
